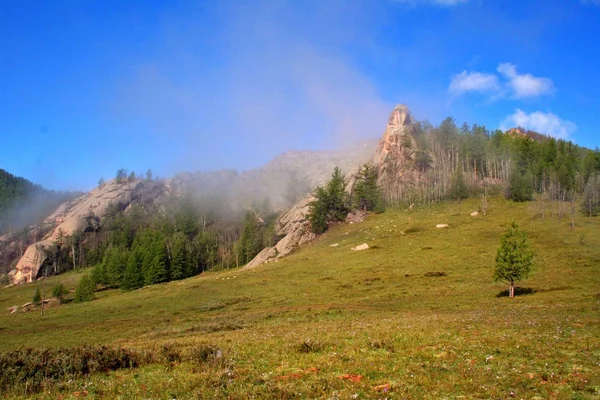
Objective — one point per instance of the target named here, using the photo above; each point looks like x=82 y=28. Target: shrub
x=85 y=289
x=59 y=292
x=37 y=297
x=33 y=367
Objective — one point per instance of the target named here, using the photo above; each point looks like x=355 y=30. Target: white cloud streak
x=525 y=85
x=513 y=84
x=547 y=123
x=473 y=82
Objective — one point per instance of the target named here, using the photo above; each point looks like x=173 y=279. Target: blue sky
x=87 y=87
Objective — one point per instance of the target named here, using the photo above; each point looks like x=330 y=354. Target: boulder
x=441 y=226
x=360 y=247
x=13 y=309
x=295 y=228
x=474 y=213
x=356 y=216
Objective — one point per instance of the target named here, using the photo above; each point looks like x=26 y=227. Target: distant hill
x=23 y=203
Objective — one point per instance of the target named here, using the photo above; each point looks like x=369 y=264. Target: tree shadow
x=519 y=291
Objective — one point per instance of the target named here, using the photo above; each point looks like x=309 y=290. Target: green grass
x=329 y=322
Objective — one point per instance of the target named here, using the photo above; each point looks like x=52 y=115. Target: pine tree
x=157 y=268
x=133 y=277
x=85 y=289
x=366 y=194
x=37 y=297
x=458 y=187
x=514 y=258
x=336 y=196
x=590 y=202
x=318 y=209
x=59 y=292
x=520 y=185
x=331 y=203
x=180 y=257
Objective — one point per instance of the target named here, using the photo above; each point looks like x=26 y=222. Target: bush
x=59 y=292
x=34 y=367
x=37 y=297
x=520 y=186
x=85 y=289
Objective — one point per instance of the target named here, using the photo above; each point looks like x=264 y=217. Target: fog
x=266 y=78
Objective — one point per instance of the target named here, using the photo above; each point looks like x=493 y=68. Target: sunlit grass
x=327 y=321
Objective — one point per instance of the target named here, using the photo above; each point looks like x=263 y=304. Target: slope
x=327 y=321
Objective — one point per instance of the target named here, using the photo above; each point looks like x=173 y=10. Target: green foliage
x=331 y=203
x=133 y=277
x=514 y=258
x=23 y=203
x=590 y=202
x=59 y=292
x=366 y=194
x=37 y=297
x=318 y=211
x=85 y=289
x=250 y=242
x=520 y=186
x=121 y=176
x=458 y=187
x=34 y=368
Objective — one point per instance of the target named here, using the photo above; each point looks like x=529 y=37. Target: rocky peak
x=396 y=149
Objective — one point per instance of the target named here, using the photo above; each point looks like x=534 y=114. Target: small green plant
x=59 y=292
x=37 y=297
x=205 y=353
x=85 y=289
x=309 y=346
x=514 y=259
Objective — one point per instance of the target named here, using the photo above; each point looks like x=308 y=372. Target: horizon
x=92 y=87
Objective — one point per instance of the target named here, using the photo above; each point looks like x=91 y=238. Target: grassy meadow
x=415 y=316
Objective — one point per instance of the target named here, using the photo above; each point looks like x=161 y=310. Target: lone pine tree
x=514 y=259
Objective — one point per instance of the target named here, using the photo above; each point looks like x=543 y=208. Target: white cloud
x=473 y=82
x=512 y=84
x=547 y=123
x=525 y=85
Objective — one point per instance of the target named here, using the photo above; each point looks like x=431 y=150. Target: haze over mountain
x=91 y=87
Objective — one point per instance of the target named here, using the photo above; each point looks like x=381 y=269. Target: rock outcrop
x=395 y=160
x=295 y=228
x=396 y=152
x=83 y=213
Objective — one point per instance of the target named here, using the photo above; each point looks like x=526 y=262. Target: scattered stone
x=334 y=245
x=474 y=213
x=441 y=226
x=13 y=309
x=363 y=246
x=356 y=216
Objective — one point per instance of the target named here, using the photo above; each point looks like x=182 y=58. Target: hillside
x=23 y=203
x=330 y=322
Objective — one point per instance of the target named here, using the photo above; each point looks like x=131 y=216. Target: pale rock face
x=75 y=214
x=294 y=224
x=398 y=139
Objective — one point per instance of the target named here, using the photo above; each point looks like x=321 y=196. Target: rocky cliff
x=394 y=157
x=282 y=181
x=84 y=213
